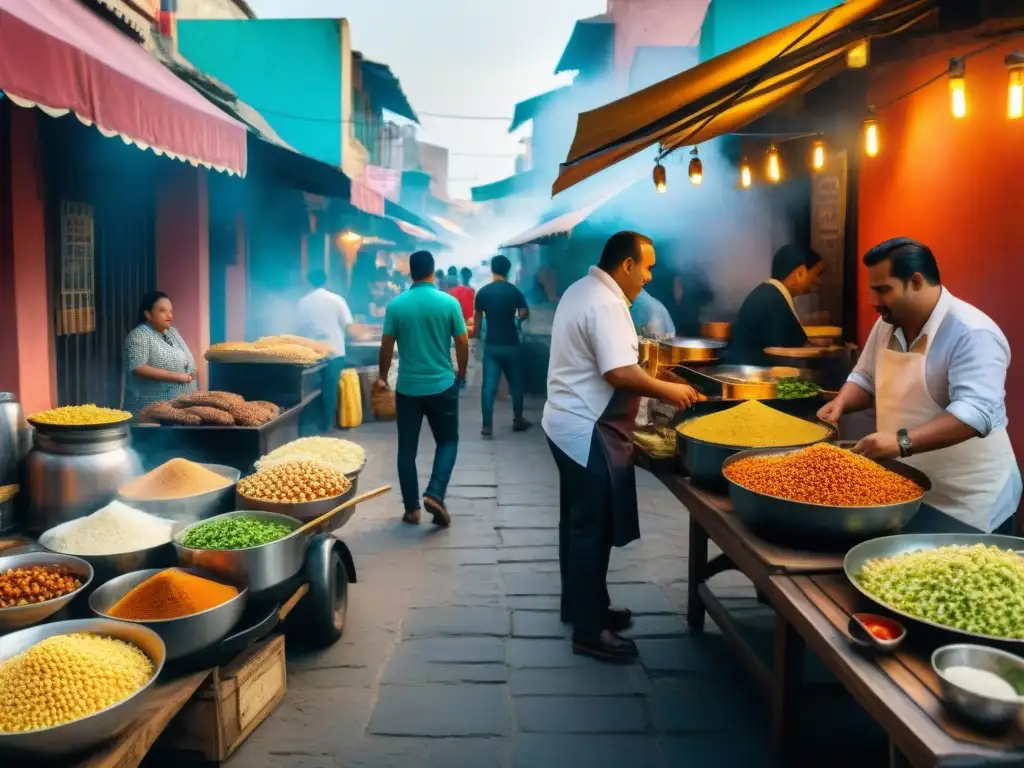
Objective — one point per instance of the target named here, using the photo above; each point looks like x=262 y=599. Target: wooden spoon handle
x=345 y=505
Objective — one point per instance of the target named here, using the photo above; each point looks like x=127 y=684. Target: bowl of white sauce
x=981 y=684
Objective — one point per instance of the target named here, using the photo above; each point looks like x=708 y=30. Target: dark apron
x=612 y=452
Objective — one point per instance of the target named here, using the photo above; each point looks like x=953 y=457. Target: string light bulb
x=958 y=88
x=1015 y=100
x=774 y=165
x=872 y=141
x=746 y=177
x=696 y=168
x=859 y=55
x=660 y=179
x=818 y=155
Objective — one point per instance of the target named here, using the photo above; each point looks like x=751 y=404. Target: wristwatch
x=906 y=444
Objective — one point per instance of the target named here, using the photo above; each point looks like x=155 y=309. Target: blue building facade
x=290 y=70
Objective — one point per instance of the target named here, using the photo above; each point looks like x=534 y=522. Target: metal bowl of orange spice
x=35 y=585
x=823 y=491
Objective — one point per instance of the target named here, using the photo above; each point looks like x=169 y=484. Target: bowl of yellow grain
x=98 y=674
x=705 y=442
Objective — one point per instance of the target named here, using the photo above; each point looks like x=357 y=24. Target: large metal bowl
x=107 y=567
x=983 y=710
x=79 y=735
x=261 y=568
x=887 y=546
x=779 y=516
x=308 y=510
x=703 y=461
x=183 y=636
x=191 y=509
x=22 y=616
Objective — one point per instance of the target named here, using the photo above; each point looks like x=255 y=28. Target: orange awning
x=730 y=91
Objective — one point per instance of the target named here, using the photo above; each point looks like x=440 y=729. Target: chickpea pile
x=294 y=482
x=68 y=677
x=37 y=584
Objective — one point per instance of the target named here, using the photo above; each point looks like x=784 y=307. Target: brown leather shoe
x=607 y=647
x=438 y=510
x=411 y=517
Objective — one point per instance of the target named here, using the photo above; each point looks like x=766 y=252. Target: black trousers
x=584 y=542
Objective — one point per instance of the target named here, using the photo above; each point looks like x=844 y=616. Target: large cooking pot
x=11 y=423
x=70 y=473
x=680 y=350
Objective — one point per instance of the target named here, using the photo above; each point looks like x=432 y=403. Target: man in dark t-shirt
x=500 y=304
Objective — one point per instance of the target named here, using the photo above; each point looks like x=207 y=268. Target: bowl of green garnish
x=795 y=389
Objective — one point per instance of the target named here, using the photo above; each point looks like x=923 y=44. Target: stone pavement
x=454 y=655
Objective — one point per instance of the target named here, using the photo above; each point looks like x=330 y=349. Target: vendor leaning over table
x=158 y=364
x=939 y=399
x=767 y=317
x=594 y=391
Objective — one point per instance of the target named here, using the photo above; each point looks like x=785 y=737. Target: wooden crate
x=231 y=704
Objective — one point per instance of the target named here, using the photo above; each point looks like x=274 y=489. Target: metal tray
x=737 y=382
x=775 y=515
x=682 y=350
x=887 y=546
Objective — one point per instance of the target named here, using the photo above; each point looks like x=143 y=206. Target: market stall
x=812 y=526
x=161 y=601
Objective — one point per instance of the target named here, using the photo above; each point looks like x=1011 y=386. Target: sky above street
x=459 y=57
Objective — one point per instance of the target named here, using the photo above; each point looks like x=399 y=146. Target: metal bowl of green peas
x=259 y=548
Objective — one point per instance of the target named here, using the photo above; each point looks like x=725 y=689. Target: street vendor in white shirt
x=935 y=369
x=594 y=390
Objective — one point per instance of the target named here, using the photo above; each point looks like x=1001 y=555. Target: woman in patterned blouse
x=157 y=363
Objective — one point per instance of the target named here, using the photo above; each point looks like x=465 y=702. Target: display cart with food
x=162 y=591
x=858 y=569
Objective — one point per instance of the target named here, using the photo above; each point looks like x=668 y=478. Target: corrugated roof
x=385 y=90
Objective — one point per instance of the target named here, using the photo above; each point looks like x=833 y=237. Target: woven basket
x=382 y=403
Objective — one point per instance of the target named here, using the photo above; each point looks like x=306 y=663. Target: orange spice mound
x=171 y=594
x=824 y=474
x=174 y=479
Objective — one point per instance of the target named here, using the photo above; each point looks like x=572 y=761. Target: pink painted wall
x=26 y=337
x=654 y=22
x=183 y=256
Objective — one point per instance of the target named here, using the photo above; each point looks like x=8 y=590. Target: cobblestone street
x=454 y=654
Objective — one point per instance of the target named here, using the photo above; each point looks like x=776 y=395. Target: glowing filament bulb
x=957 y=88
x=746 y=178
x=871 y=139
x=818 y=156
x=660 y=180
x=696 y=168
x=774 y=166
x=1015 y=100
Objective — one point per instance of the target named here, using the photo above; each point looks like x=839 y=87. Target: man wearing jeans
x=499 y=304
x=423 y=321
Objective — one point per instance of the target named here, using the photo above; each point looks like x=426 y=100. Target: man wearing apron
x=594 y=391
x=935 y=368
x=768 y=316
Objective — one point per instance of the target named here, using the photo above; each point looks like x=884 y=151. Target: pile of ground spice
x=753 y=425
x=171 y=594
x=176 y=479
x=824 y=474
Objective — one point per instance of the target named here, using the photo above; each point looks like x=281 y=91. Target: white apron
x=787 y=296
x=968 y=478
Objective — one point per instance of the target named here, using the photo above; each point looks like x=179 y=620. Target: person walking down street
x=500 y=304
x=441 y=281
x=463 y=291
x=594 y=391
x=423 y=321
x=325 y=316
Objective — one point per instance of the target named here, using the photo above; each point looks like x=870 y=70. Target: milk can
x=73 y=471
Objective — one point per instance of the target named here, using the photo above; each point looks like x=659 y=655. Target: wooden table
x=769 y=565
x=711 y=518
x=900 y=691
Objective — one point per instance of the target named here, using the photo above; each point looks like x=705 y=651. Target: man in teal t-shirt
x=424 y=321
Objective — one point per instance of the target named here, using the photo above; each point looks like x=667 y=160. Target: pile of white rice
x=341 y=455
x=112 y=530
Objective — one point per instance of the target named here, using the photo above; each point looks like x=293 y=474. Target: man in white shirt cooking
x=935 y=369
x=325 y=316
x=594 y=391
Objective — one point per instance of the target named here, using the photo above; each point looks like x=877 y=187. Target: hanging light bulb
x=696 y=169
x=818 y=155
x=774 y=166
x=1015 y=103
x=660 y=181
x=957 y=88
x=859 y=56
x=746 y=177
x=872 y=143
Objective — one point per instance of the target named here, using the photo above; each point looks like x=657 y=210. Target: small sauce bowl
x=861 y=624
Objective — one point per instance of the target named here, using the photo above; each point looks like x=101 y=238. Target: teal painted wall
x=731 y=23
x=280 y=67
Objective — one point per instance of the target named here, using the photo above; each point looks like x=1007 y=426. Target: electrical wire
x=335 y=121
